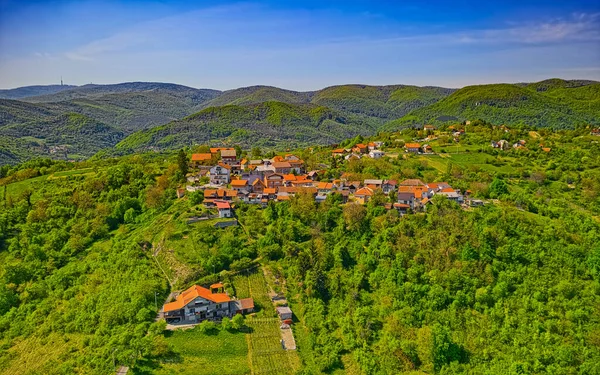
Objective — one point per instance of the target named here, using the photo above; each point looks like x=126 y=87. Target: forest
x=512 y=287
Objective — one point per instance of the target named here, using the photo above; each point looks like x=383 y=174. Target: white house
x=224 y=209
x=376 y=154
x=220 y=174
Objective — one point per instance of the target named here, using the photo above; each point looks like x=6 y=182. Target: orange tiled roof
x=201 y=157
x=270 y=191
x=281 y=164
x=278 y=158
x=239 y=183
x=325 y=185
x=231 y=193
x=338 y=151
x=364 y=191
x=222 y=205
x=216 y=286
x=210 y=192
x=412 y=182
x=289 y=177
x=412 y=145
x=191 y=294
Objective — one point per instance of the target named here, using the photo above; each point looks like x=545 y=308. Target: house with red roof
x=196 y=304
x=363 y=195
x=224 y=208
x=412 y=147
x=360 y=148
x=201 y=159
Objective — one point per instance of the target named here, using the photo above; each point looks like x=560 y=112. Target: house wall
x=212 y=310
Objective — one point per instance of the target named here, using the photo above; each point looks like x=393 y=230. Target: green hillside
x=384 y=102
x=90 y=250
x=555 y=104
x=267 y=124
x=256 y=95
x=79 y=136
x=28 y=91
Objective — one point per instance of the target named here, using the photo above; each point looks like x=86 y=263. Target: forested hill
x=89 y=250
x=552 y=103
x=27 y=91
x=355 y=109
x=92 y=91
x=269 y=124
x=376 y=102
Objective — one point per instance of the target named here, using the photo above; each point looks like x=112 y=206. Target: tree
x=256 y=152
x=354 y=213
x=182 y=162
x=238 y=322
x=498 y=188
x=226 y=324
x=196 y=197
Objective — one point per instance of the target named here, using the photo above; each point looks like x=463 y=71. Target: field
x=220 y=352
x=255 y=286
x=50 y=352
x=266 y=354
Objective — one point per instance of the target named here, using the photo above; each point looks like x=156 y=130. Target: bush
x=207 y=327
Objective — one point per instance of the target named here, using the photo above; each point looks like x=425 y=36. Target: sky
x=298 y=45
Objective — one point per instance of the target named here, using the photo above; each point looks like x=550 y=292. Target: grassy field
x=37 y=355
x=254 y=285
x=221 y=352
x=75 y=172
x=266 y=354
x=17 y=188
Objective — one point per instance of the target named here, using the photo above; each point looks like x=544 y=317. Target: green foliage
x=553 y=103
x=196 y=197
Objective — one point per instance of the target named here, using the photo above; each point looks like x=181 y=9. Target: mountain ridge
x=133 y=107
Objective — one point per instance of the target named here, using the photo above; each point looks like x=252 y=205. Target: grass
x=18 y=187
x=254 y=285
x=195 y=353
x=39 y=355
x=266 y=354
x=74 y=172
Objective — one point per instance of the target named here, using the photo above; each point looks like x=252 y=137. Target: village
x=279 y=178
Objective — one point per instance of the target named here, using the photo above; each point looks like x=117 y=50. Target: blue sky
x=297 y=45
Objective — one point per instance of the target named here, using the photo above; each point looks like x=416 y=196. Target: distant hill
x=551 y=103
x=164 y=115
x=95 y=91
x=384 y=102
x=256 y=95
x=266 y=124
x=380 y=103
x=28 y=91
x=69 y=135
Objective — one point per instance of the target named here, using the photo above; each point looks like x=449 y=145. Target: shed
x=244 y=306
x=284 y=312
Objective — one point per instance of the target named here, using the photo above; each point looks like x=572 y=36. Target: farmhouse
x=412 y=147
x=196 y=304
